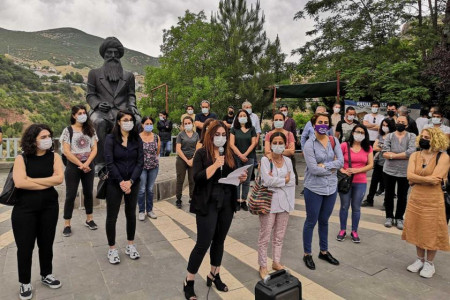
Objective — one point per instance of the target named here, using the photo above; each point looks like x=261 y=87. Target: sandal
x=188 y=288
x=217 y=282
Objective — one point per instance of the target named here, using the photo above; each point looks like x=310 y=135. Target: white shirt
x=255 y=123
x=421 y=122
x=445 y=129
x=373 y=134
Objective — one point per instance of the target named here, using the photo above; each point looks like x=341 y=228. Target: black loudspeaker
x=280 y=285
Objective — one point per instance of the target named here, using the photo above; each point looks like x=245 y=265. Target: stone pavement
x=374 y=269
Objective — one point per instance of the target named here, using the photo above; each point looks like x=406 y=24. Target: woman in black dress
x=36 y=172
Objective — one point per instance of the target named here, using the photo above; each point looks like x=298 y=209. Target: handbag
x=102 y=182
x=345 y=181
x=445 y=187
x=9 y=192
x=260 y=199
x=63 y=156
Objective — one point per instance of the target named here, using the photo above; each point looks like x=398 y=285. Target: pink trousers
x=276 y=222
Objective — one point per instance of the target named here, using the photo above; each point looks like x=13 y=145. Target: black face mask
x=231 y=113
x=400 y=127
x=424 y=144
x=391 y=113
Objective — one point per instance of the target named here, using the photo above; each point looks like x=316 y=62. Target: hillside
x=64 y=45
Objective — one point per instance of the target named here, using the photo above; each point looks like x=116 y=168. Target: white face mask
x=249 y=110
x=430 y=114
x=278 y=124
x=161 y=118
x=374 y=110
x=243 y=120
x=219 y=141
x=45 y=144
x=350 y=118
x=436 y=121
x=385 y=129
x=188 y=127
x=285 y=113
x=190 y=111
x=205 y=110
x=82 y=118
x=359 y=137
x=278 y=149
x=336 y=110
x=127 y=126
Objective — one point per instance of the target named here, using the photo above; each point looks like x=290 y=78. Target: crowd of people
x=410 y=155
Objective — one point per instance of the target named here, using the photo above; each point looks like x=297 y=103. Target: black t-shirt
x=202 y=118
x=228 y=119
x=345 y=129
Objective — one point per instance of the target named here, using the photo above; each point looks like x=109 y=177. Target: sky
x=139 y=24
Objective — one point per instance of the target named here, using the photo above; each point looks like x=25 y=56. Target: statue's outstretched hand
x=104 y=107
x=134 y=110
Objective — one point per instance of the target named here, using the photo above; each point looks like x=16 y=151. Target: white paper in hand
x=233 y=177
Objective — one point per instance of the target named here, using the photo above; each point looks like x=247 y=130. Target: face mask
x=391 y=113
x=278 y=149
x=430 y=114
x=230 y=113
x=127 y=126
x=284 y=113
x=148 y=128
x=190 y=111
x=374 y=110
x=249 y=110
x=82 y=118
x=161 y=118
x=400 y=127
x=205 y=110
x=278 y=124
x=424 y=144
x=436 y=121
x=45 y=144
x=188 y=127
x=350 y=118
x=243 y=120
x=336 y=110
x=359 y=137
x=219 y=141
x=385 y=129
x=321 y=128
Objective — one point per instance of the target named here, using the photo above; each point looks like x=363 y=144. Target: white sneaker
x=151 y=214
x=415 y=266
x=388 y=223
x=113 y=256
x=400 y=224
x=132 y=252
x=141 y=216
x=428 y=270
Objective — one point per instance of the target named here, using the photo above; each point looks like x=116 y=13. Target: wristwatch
x=131 y=181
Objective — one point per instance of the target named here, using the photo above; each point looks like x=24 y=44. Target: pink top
x=359 y=160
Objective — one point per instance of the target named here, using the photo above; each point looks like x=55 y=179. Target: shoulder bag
x=8 y=195
x=345 y=181
x=102 y=182
x=260 y=199
x=63 y=157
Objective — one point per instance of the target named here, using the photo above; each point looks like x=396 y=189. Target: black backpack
x=63 y=157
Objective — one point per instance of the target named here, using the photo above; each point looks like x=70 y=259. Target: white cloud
x=139 y=23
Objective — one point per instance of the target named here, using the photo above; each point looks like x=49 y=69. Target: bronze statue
x=109 y=89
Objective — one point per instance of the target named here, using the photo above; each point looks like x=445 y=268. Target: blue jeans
x=246 y=184
x=166 y=148
x=318 y=208
x=148 y=178
x=354 y=198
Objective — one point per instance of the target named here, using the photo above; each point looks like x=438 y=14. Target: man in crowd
x=392 y=111
x=412 y=126
x=336 y=116
x=289 y=125
x=444 y=121
x=200 y=118
x=229 y=118
x=255 y=123
x=422 y=120
x=372 y=121
x=436 y=121
x=344 y=127
x=165 y=133
x=189 y=113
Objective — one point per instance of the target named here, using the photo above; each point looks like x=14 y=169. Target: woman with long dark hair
x=213 y=203
x=361 y=155
x=79 y=143
x=203 y=133
x=36 y=173
x=124 y=157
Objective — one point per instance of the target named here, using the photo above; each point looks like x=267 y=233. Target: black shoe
x=91 y=225
x=178 y=203
x=26 y=291
x=220 y=286
x=67 y=231
x=309 y=262
x=379 y=192
x=367 y=203
x=329 y=258
x=238 y=207
x=244 y=205
x=188 y=288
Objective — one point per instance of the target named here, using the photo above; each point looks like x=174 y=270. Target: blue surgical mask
x=148 y=128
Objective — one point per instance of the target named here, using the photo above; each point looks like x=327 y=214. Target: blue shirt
x=322 y=181
x=308 y=132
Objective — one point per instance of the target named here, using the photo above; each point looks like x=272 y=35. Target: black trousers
x=402 y=194
x=73 y=175
x=114 y=196
x=34 y=219
x=377 y=178
x=212 y=230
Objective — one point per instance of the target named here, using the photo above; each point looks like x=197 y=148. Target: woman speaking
x=213 y=203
